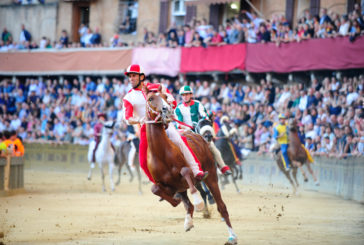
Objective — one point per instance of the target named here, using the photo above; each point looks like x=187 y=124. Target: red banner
x=63 y=62
x=224 y=58
x=314 y=54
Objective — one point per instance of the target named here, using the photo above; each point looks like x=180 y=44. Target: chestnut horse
x=297 y=156
x=168 y=166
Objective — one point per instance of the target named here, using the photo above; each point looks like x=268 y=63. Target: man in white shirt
x=352 y=95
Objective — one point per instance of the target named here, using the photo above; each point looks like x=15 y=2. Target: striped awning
x=195 y=2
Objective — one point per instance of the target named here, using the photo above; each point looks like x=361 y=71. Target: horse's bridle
x=161 y=116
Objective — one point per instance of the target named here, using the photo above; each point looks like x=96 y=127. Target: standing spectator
x=96 y=37
x=6 y=37
x=344 y=25
x=83 y=33
x=324 y=17
x=64 y=39
x=25 y=35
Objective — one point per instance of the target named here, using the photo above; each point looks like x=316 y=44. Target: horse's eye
x=151 y=99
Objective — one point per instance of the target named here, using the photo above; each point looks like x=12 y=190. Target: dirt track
x=65 y=208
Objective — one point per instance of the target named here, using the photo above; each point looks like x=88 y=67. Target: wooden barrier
x=11 y=173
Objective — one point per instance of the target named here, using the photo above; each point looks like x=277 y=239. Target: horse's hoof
x=189 y=228
x=211 y=201
x=232 y=241
x=117 y=183
x=206 y=214
x=88 y=178
x=306 y=179
x=317 y=183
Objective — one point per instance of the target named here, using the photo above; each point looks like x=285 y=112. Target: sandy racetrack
x=65 y=208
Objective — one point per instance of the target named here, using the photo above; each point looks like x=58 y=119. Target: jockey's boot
x=201 y=175
x=226 y=170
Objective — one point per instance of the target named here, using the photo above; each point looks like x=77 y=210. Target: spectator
x=64 y=39
x=25 y=35
x=6 y=37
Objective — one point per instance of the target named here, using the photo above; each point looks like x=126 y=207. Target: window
x=128 y=15
x=178 y=11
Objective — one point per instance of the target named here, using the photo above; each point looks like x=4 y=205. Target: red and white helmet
x=134 y=68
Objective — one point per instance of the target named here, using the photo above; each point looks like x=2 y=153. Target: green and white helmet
x=185 y=90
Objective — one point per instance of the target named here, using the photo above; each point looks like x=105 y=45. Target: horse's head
x=108 y=128
x=293 y=125
x=157 y=107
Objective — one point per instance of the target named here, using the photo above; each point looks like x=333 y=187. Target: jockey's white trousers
x=131 y=155
x=175 y=137
x=217 y=155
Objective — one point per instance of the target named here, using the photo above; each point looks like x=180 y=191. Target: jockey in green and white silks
x=190 y=111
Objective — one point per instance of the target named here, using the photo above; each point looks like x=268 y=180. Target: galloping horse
x=121 y=159
x=169 y=168
x=204 y=127
x=225 y=146
x=297 y=156
x=104 y=154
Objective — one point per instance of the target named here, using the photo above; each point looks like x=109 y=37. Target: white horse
x=104 y=154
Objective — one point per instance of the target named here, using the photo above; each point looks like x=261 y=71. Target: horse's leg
x=102 y=176
x=212 y=184
x=240 y=167
x=119 y=163
x=208 y=193
x=111 y=171
x=294 y=173
x=202 y=193
x=234 y=181
x=186 y=173
x=137 y=167
x=189 y=208
x=302 y=171
x=89 y=176
x=165 y=193
x=286 y=173
x=312 y=173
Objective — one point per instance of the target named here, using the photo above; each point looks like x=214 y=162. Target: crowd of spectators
x=245 y=27
x=330 y=112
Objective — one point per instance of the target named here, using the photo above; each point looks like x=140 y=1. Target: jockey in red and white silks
x=134 y=104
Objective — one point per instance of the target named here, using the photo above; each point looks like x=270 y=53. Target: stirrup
x=201 y=176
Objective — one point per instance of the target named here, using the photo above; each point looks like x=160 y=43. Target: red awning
x=194 y=2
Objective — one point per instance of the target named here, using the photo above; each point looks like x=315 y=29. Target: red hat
x=137 y=69
x=153 y=87
x=101 y=115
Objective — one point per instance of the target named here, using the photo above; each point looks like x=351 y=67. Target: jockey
x=189 y=112
x=97 y=133
x=226 y=131
x=280 y=133
x=134 y=104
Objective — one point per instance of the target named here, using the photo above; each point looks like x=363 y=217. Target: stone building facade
x=53 y=16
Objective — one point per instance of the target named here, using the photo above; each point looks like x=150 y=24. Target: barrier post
x=7 y=173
